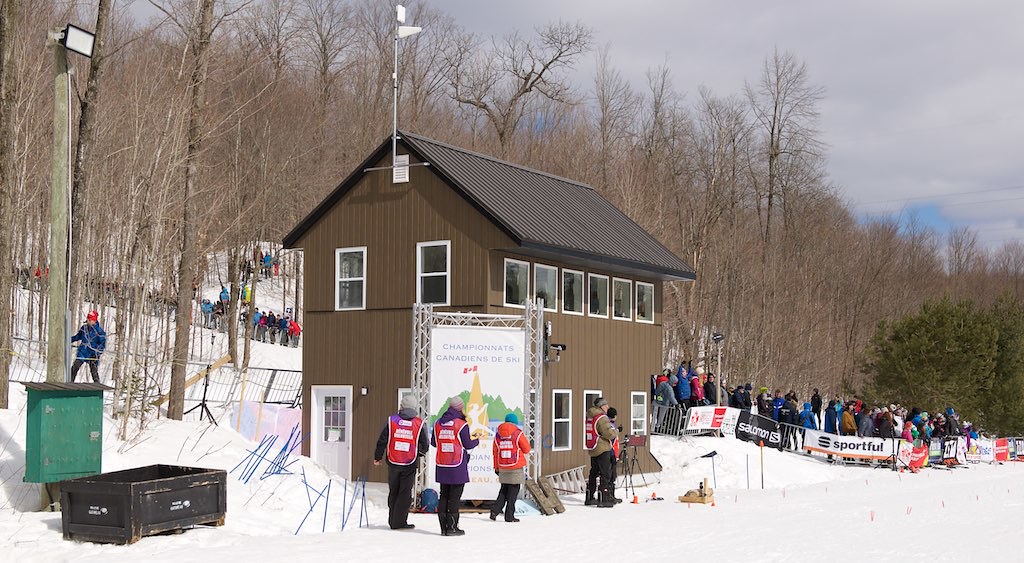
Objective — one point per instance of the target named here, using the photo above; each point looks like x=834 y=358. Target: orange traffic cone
x=636 y=500
x=654 y=495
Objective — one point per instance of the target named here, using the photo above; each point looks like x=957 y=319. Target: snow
x=806 y=504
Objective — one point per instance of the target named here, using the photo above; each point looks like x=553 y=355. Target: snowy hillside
x=806 y=504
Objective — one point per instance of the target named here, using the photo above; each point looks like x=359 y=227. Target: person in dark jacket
x=748 y=403
x=885 y=424
x=404 y=441
x=711 y=389
x=93 y=341
x=816 y=405
x=736 y=399
x=453 y=441
x=831 y=418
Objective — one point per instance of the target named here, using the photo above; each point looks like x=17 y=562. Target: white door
x=332 y=428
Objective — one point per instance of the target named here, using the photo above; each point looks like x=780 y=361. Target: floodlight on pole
x=400 y=32
x=58 y=364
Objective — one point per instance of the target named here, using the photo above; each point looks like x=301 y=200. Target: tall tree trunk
x=187 y=265
x=6 y=192
x=234 y=304
x=86 y=139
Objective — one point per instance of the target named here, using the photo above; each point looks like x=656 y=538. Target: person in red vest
x=509 y=454
x=453 y=442
x=404 y=442
x=598 y=439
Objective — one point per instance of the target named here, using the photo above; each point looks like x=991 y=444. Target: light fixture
x=78 y=40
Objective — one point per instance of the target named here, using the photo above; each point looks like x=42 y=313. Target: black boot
x=611 y=492
x=445 y=527
x=607 y=500
x=590 y=497
x=455 y=531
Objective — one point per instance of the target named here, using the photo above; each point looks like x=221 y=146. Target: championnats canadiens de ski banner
x=487 y=368
x=849 y=446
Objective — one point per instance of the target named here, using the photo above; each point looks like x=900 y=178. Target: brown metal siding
x=372 y=348
x=614 y=356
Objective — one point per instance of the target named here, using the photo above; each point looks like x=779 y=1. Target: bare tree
x=500 y=82
x=200 y=47
x=7 y=15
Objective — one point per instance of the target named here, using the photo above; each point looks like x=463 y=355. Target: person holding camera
x=509 y=455
x=405 y=442
x=599 y=435
x=616 y=448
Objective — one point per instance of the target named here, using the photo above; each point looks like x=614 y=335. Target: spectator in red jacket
x=509 y=455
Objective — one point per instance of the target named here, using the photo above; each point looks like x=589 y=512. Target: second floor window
x=433 y=272
x=350 y=272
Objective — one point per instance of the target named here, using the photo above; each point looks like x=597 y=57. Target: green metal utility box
x=64 y=433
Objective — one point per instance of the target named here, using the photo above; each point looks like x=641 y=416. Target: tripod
x=203 y=408
x=631 y=463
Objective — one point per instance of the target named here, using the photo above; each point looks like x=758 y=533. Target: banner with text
x=849 y=446
x=487 y=368
x=756 y=428
x=1001 y=451
x=712 y=418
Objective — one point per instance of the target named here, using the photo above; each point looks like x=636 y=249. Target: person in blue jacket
x=777 y=403
x=683 y=385
x=93 y=343
x=282 y=328
x=225 y=295
x=807 y=418
x=831 y=418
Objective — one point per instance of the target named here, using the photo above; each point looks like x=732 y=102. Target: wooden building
x=471 y=233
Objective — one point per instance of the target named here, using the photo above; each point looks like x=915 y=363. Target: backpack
x=428 y=501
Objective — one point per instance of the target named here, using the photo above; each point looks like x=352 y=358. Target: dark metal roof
x=546 y=215
x=67 y=386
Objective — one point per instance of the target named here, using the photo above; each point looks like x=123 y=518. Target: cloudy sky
x=924 y=103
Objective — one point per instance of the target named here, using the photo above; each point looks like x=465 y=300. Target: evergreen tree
x=943 y=356
x=1003 y=407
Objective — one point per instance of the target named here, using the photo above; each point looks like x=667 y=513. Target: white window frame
x=587 y=403
x=504 y=284
x=632 y=419
x=554 y=442
x=402 y=391
x=636 y=302
x=611 y=300
x=549 y=304
x=447 y=270
x=607 y=292
x=583 y=288
x=337 y=276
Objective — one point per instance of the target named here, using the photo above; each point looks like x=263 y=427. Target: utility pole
x=58 y=348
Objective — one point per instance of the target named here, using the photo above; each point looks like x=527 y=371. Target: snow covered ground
x=806 y=505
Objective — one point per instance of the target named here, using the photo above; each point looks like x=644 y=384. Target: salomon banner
x=850 y=446
x=756 y=428
x=1002 y=449
x=486 y=367
x=712 y=418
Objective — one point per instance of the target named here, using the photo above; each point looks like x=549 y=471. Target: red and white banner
x=1001 y=451
x=712 y=418
x=850 y=446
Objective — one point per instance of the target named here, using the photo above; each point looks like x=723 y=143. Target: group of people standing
x=403 y=441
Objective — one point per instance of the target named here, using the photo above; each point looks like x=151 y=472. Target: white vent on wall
x=400 y=173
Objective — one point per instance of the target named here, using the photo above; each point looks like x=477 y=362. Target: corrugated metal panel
x=550 y=211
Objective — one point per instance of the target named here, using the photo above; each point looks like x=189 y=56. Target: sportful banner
x=1001 y=451
x=756 y=428
x=486 y=367
x=712 y=418
x=850 y=446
